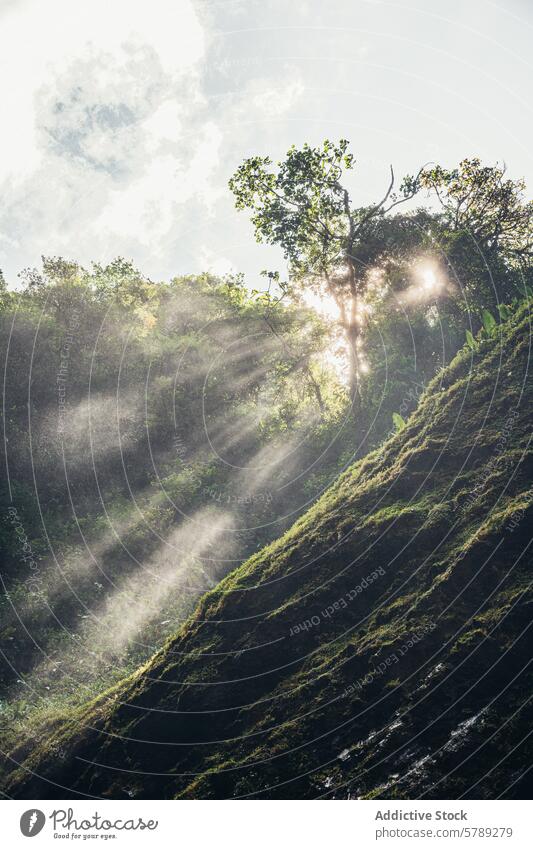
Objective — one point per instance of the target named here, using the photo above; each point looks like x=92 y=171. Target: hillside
x=150 y=414
x=378 y=648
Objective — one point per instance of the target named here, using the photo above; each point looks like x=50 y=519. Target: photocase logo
x=32 y=822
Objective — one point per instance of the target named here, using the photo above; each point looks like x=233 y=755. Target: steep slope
x=380 y=647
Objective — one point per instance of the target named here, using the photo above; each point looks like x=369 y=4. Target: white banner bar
x=264 y=824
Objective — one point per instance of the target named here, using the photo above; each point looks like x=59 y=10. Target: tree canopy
x=304 y=207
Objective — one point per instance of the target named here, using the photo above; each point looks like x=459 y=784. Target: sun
x=429 y=279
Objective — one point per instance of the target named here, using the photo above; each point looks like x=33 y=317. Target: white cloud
x=38 y=42
x=271 y=101
x=123 y=119
x=144 y=207
x=164 y=125
x=215 y=263
x=113 y=143
x=96 y=96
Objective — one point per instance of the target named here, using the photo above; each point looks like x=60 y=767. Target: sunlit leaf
x=504 y=311
x=470 y=341
x=489 y=322
x=398 y=421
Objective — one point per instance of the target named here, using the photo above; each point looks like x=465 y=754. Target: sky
x=123 y=120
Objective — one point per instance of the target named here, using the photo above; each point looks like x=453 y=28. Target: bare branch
x=370 y=214
x=407 y=197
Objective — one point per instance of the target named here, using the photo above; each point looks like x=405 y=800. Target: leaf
x=489 y=322
x=505 y=311
x=470 y=341
x=398 y=421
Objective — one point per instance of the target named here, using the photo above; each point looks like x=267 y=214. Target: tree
x=486 y=227
x=4 y=293
x=330 y=245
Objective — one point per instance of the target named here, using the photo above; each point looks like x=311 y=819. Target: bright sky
x=124 y=119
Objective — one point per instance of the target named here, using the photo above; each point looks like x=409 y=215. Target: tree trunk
x=353 y=332
x=352 y=338
x=316 y=389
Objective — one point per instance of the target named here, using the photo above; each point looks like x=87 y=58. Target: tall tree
x=330 y=244
x=486 y=228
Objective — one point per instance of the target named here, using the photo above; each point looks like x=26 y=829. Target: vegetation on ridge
x=274 y=542
x=363 y=663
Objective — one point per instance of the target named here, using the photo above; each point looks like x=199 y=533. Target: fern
x=470 y=341
x=489 y=323
x=398 y=421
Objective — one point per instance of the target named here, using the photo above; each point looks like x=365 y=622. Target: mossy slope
x=409 y=675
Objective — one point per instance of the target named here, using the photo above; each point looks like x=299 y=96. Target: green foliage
x=331 y=245
x=172 y=391
x=470 y=341
x=400 y=655
x=480 y=201
x=489 y=323
x=485 y=230
x=172 y=371
x=359 y=255
x=504 y=311
x=301 y=207
x=398 y=421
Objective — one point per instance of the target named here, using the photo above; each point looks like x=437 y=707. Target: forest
x=271 y=539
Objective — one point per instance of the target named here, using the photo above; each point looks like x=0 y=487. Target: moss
x=244 y=700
